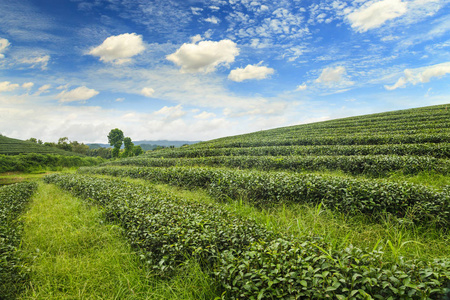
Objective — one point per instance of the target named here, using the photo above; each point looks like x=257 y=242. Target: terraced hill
x=10 y=146
x=347 y=172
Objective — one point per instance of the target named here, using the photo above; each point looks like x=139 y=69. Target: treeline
x=33 y=162
x=74 y=146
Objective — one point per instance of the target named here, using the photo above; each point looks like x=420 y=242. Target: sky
x=202 y=69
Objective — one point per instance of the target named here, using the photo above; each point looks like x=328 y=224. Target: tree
x=128 y=147
x=115 y=139
x=63 y=143
x=137 y=150
x=79 y=148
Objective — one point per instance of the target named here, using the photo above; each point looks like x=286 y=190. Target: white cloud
x=205 y=115
x=250 y=72
x=27 y=85
x=119 y=49
x=196 y=11
x=41 y=61
x=213 y=20
x=7 y=86
x=302 y=87
x=172 y=113
x=147 y=92
x=81 y=93
x=4 y=43
x=43 y=89
x=331 y=75
x=376 y=14
x=205 y=56
x=420 y=75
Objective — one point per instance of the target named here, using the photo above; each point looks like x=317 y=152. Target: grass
x=15 y=177
x=75 y=255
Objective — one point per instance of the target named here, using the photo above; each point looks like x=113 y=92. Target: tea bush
x=373 y=165
x=248 y=261
x=371 y=197
x=13 y=199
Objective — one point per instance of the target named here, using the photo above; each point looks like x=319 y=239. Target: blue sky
x=203 y=69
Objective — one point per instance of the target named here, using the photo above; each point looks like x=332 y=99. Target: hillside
x=148 y=145
x=10 y=146
x=355 y=208
x=412 y=126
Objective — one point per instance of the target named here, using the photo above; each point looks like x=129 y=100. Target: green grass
x=15 y=177
x=75 y=255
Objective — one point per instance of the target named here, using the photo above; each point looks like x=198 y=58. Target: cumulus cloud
x=39 y=61
x=205 y=56
x=119 y=49
x=4 y=43
x=250 y=72
x=420 y=75
x=147 y=92
x=330 y=76
x=81 y=93
x=376 y=14
x=7 y=86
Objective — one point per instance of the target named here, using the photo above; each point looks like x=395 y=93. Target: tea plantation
x=388 y=172
x=344 y=165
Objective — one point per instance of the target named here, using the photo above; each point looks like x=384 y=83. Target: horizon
x=199 y=70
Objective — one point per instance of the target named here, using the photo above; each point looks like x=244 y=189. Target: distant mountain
x=148 y=145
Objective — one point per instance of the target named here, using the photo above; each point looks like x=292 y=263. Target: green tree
x=137 y=150
x=79 y=148
x=115 y=139
x=128 y=147
x=63 y=143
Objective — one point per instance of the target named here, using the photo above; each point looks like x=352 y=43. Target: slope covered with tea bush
x=10 y=146
x=367 y=167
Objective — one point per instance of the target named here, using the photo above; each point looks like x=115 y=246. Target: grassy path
x=77 y=256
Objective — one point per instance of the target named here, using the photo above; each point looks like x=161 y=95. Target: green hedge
x=32 y=161
x=373 y=165
x=248 y=261
x=371 y=197
x=13 y=199
x=441 y=150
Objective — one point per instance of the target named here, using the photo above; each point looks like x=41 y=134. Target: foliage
x=115 y=139
x=440 y=150
x=248 y=261
x=9 y=146
x=13 y=199
x=370 y=197
x=372 y=165
x=35 y=162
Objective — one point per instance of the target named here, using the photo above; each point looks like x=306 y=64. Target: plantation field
x=391 y=166
x=10 y=146
x=355 y=208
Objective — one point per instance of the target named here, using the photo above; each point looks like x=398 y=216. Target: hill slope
x=420 y=125
x=10 y=146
